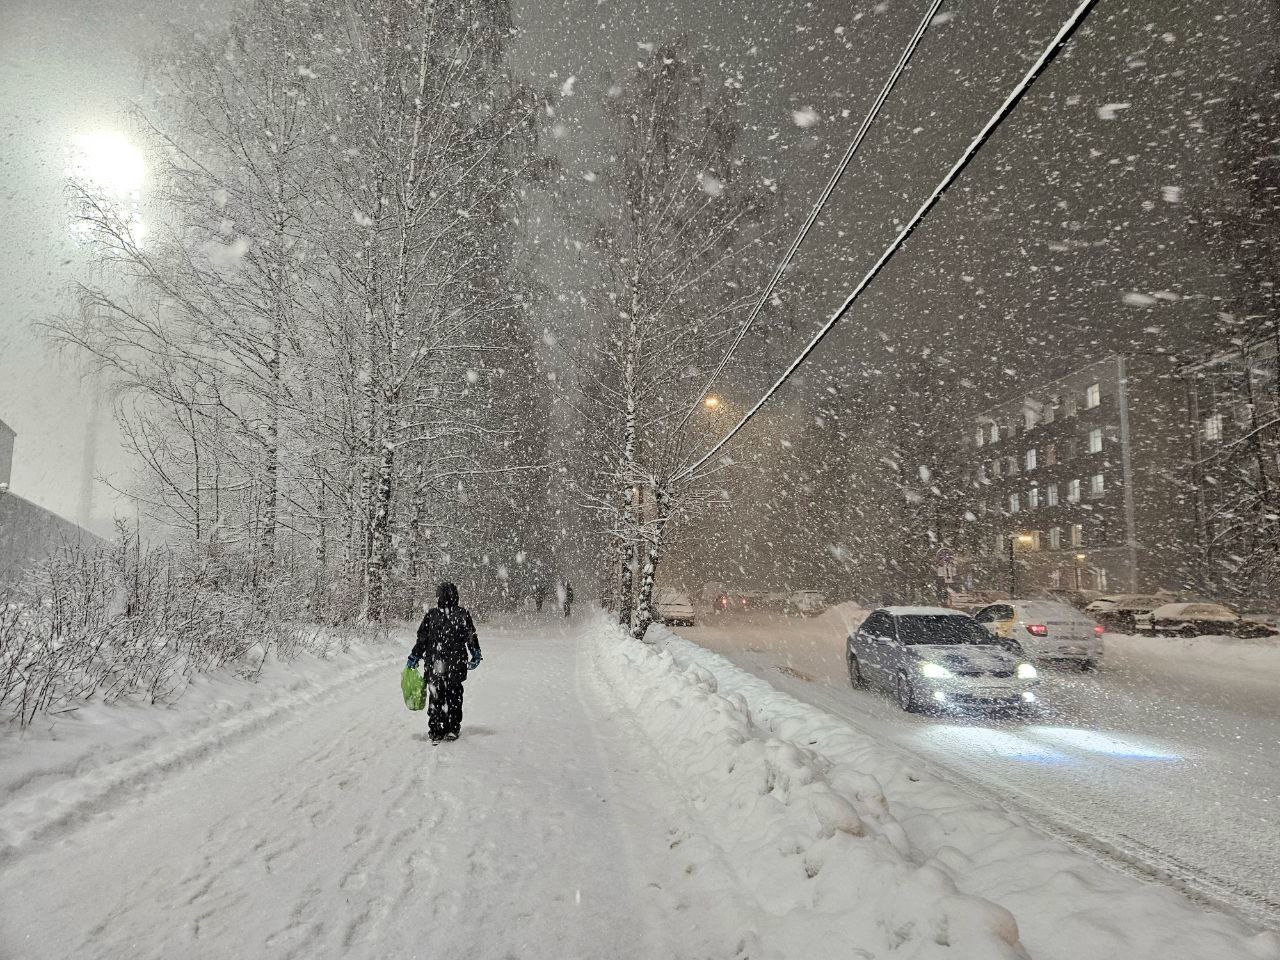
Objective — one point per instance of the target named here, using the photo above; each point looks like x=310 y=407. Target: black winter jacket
x=447 y=639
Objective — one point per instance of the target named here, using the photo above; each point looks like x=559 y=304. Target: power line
x=1042 y=63
x=817 y=207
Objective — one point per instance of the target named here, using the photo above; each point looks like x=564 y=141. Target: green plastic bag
x=411 y=685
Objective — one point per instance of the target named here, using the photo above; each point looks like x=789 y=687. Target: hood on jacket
x=447 y=595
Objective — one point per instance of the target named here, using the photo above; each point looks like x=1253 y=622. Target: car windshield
x=941 y=630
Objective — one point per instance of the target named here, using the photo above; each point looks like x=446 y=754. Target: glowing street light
x=711 y=402
x=112 y=171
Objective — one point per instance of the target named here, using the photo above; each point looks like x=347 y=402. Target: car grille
x=999 y=674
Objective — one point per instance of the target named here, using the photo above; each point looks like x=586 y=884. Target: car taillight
x=1037 y=629
x=1097 y=629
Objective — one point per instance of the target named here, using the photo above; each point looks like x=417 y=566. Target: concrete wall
x=29 y=534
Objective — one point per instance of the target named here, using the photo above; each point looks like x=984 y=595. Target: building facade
x=6 y=454
x=1048 y=485
x=29 y=533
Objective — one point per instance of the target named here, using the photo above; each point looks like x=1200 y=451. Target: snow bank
x=823 y=820
x=66 y=766
x=843 y=618
x=1234 y=658
x=812 y=840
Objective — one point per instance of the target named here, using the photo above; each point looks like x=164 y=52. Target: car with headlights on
x=940 y=659
x=1047 y=630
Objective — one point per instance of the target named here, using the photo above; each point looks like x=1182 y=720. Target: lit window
x=1033 y=498
x=1077 y=535
x=1213 y=427
x=1100 y=578
x=1014 y=505
x=1055 y=538
x=1096 y=485
x=1092 y=397
x=1032 y=541
x=994 y=433
x=1095 y=440
x=1031 y=459
x=977 y=437
x=1073 y=491
x=1051 y=495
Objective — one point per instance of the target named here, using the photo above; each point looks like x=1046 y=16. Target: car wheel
x=1088 y=666
x=906 y=696
x=855 y=673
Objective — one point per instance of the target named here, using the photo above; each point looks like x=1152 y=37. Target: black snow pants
x=444 y=709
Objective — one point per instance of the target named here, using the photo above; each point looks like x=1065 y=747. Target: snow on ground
x=335 y=829
x=1065 y=904
x=608 y=799
x=1162 y=763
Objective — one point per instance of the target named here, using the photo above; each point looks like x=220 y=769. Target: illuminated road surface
x=1156 y=767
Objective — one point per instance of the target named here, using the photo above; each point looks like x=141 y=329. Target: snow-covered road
x=336 y=830
x=1163 y=764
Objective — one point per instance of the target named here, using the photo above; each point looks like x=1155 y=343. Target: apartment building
x=1049 y=482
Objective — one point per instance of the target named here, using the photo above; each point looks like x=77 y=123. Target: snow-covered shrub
x=129 y=623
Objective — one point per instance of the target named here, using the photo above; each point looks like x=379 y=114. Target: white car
x=1046 y=629
x=807 y=603
x=932 y=658
x=674 y=609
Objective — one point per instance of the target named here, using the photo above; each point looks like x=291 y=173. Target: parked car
x=1047 y=630
x=807 y=603
x=1122 y=612
x=932 y=657
x=1198 y=618
x=674 y=608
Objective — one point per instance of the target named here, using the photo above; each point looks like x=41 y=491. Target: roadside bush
x=128 y=623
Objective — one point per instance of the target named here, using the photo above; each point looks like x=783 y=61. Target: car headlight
x=934 y=671
x=1027 y=672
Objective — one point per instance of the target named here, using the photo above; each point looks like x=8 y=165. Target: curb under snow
x=849 y=850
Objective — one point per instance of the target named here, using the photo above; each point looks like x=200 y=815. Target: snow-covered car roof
x=1193 y=610
x=922 y=612
x=672 y=596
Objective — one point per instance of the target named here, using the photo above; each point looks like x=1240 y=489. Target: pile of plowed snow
x=848 y=845
x=843 y=618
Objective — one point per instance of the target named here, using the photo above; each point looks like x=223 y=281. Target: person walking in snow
x=568 y=599
x=449 y=645
x=539 y=596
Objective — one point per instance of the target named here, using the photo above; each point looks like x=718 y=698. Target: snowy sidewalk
x=340 y=832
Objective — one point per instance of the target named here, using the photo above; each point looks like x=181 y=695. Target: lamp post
x=1015 y=538
x=1080 y=558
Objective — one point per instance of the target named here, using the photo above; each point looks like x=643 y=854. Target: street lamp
x=1025 y=539
x=711 y=401
x=1080 y=558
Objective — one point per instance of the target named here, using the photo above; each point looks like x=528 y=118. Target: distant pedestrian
x=448 y=643
x=568 y=599
x=539 y=596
